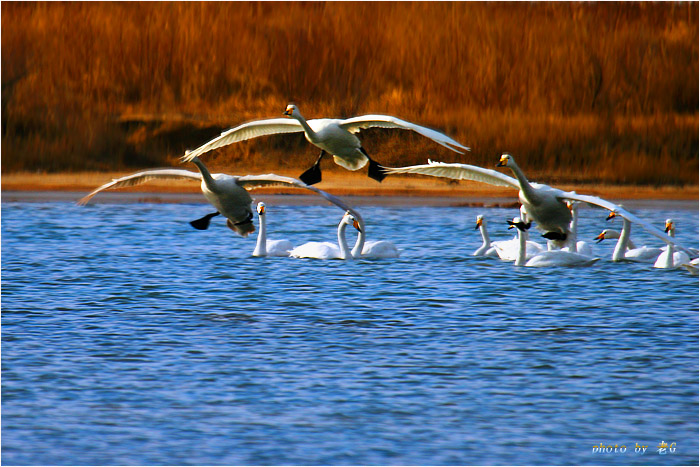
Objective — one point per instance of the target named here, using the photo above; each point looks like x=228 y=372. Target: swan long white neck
x=359 y=243
x=522 y=248
x=206 y=175
x=261 y=245
x=342 y=243
x=573 y=227
x=670 y=250
x=624 y=242
x=525 y=187
x=485 y=235
x=310 y=134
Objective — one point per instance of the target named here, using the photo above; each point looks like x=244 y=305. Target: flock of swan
x=553 y=211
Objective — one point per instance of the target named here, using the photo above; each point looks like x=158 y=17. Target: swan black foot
x=554 y=236
x=522 y=226
x=203 y=223
x=313 y=175
x=375 y=171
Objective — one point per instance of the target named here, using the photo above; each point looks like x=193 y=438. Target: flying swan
x=227 y=193
x=332 y=136
x=544 y=205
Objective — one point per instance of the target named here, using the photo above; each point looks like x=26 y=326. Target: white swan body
x=380 y=249
x=692 y=266
x=669 y=258
x=373 y=248
x=560 y=258
x=546 y=258
x=335 y=136
x=507 y=250
x=265 y=247
x=227 y=193
x=544 y=205
x=317 y=250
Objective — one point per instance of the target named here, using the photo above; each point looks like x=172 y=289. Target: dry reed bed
x=577 y=91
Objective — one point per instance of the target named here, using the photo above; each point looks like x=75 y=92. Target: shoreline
x=357 y=187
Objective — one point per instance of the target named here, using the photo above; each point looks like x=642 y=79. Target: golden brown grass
x=576 y=91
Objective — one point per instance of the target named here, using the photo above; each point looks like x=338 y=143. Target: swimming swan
x=575 y=245
x=625 y=249
x=373 y=248
x=362 y=249
x=329 y=250
x=227 y=193
x=332 y=136
x=486 y=249
x=544 y=205
x=669 y=258
x=506 y=250
x=692 y=266
x=545 y=258
x=265 y=247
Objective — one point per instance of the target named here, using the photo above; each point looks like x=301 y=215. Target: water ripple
x=129 y=338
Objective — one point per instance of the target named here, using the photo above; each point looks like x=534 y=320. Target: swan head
x=572 y=205
x=261 y=208
x=292 y=111
x=349 y=219
x=607 y=233
x=519 y=224
x=480 y=221
x=505 y=161
x=669 y=226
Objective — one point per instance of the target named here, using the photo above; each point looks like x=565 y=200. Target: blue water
x=130 y=338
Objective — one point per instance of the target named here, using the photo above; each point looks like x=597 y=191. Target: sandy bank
x=394 y=190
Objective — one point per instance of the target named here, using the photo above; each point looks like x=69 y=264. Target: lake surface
x=130 y=338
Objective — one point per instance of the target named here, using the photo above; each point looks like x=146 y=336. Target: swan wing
x=458 y=172
x=355 y=124
x=251 y=182
x=246 y=131
x=596 y=201
x=142 y=177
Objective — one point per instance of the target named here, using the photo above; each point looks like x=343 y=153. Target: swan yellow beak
x=261 y=209
x=478 y=223
x=288 y=112
x=600 y=237
x=503 y=162
x=356 y=225
x=612 y=215
x=669 y=226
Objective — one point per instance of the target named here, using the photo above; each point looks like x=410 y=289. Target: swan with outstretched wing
x=333 y=136
x=227 y=193
x=544 y=205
